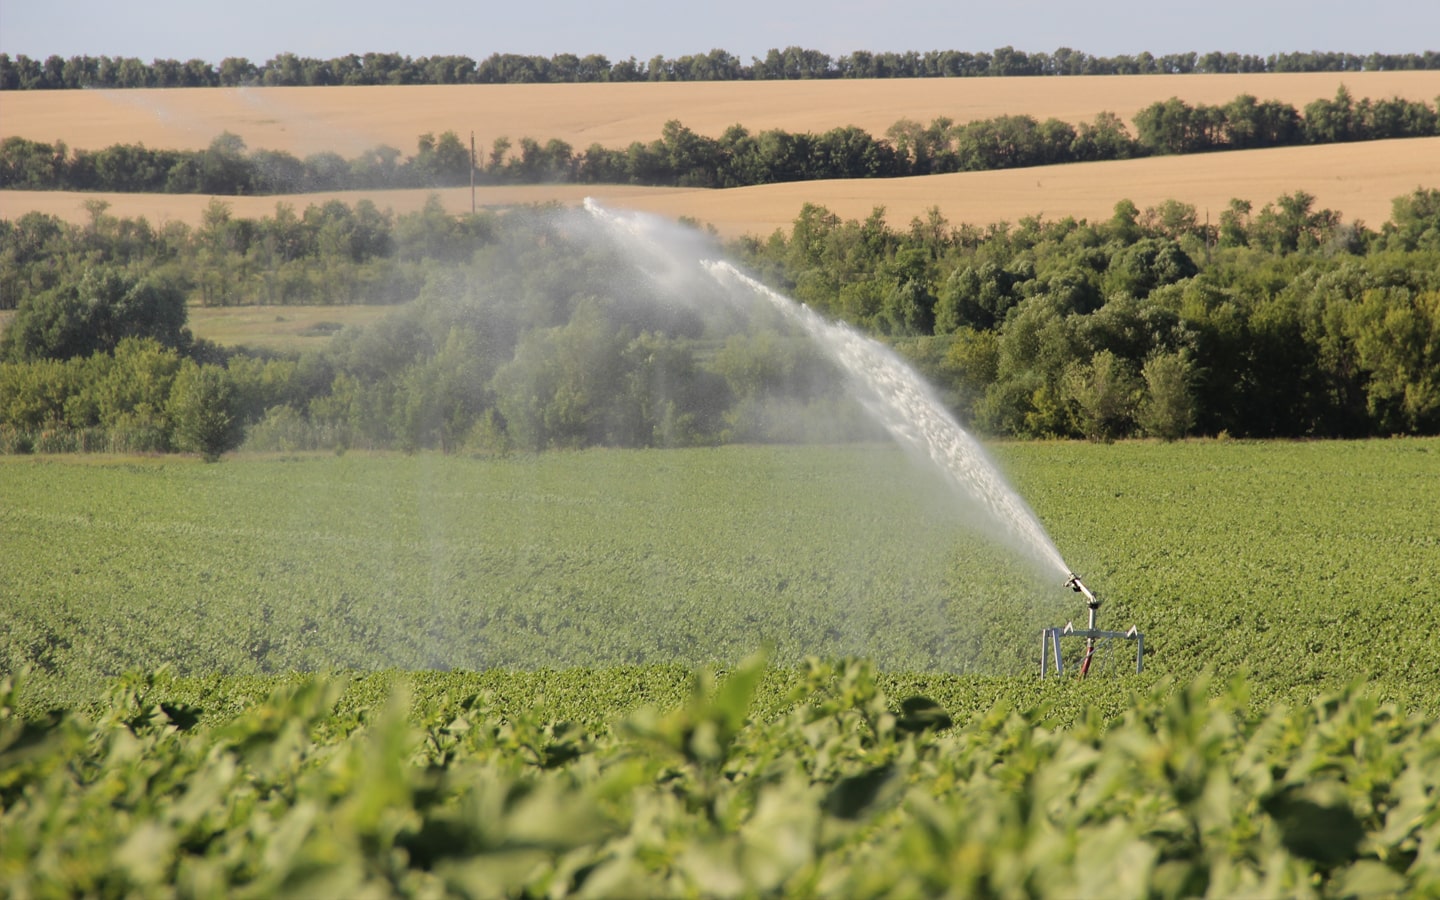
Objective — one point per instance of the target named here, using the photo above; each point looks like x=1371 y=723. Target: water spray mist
x=905 y=405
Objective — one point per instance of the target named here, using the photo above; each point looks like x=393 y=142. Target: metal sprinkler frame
x=1050 y=637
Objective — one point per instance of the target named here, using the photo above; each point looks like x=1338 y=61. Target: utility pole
x=472 y=173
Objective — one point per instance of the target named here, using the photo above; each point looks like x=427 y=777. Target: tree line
x=511 y=335
x=1284 y=321
x=515 y=331
x=737 y=158
x=227 y=167
x=289 y=70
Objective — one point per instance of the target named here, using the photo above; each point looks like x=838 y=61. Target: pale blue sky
x=259 y=29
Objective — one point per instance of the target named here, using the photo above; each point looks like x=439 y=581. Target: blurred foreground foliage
x=809 y=782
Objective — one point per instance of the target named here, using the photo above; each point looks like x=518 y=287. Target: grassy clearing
x=286 y=328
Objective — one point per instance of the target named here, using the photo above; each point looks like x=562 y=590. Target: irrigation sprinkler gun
x=1050 y=637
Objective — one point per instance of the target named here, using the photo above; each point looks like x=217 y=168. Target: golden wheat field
x=348 y=120
x=1359 y=180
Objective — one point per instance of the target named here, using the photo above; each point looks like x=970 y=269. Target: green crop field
x=570 y=595
x=595 y=558
x=1304 y=563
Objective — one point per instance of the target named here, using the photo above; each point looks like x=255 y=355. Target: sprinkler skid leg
x=1050 y=642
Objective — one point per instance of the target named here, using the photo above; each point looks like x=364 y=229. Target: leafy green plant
x=729 y=793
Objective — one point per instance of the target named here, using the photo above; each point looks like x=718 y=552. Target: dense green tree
x=260 y=384
x=975 y=297
x=1414 y=221
x=1235 y=224
x=1167 y=410
x=129 y=389
x=1397 y=342
x=31 y=165
x=1292 y=224
x=792 y=63
x=918 y=147
x=129 y=167
x=781 y=389
x=1124 y=225
x=441 y=398
x=377 y=167
x=667 y=399
x=1333 y=121
x=1173 y=126
x=1036 y=347
x=1147 y=264
x=1076 y=289
x=430 y=233
x=1102 y=395
x=201 y=407
x=1249 y=123
x=561 y=388
x=693 y=160
x=237 y=71
x=1008 y=142
x=33 y=394
x=1396 y=117
x=326 y=171
x=909 y=303
x=220 y=241
x=93 y=315
x=31 y=249
x=224 y=168
x=681 y=157
x=441 y=162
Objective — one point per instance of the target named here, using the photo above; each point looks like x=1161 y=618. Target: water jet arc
x=907 y=407
x=909 y=410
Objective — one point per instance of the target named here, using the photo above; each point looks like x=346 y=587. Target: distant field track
x=1359 y=180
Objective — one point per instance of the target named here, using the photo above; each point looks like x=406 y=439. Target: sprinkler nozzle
x=1078 y=586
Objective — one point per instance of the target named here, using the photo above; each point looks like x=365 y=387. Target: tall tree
x=201 y=407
